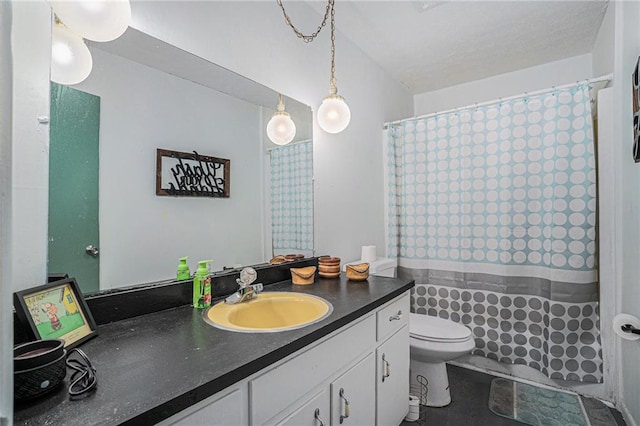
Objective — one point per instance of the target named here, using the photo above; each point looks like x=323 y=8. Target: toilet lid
x=426 y=327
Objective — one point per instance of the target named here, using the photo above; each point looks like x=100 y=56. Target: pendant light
x=281 y=129
x=97 y=20
x=334 y=114
x=71 y=60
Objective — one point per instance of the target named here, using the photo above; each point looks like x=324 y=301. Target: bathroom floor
x=469 y=406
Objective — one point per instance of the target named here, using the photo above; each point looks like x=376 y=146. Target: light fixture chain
x=307 y=38
x=333 y=88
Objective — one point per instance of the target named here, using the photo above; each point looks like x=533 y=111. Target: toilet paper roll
x=414 y=409
x=623 y=319
x=368 y=254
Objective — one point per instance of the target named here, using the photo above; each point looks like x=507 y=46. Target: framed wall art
x=56 y=310
x=635 y=94
x=190 y=174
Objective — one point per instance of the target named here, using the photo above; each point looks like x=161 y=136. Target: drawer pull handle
x=386 y=367
x=396 y=317
x=347 y=410
x=317 y=416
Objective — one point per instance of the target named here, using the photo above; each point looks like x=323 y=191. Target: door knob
x=92 y=251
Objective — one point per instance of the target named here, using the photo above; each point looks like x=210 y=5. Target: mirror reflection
x=107 y=226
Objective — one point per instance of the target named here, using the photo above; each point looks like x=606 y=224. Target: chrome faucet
x=246 y=290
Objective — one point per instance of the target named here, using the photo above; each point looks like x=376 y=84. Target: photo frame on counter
x=56 y=310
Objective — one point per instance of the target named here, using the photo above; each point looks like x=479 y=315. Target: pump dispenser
x=202 y=285
x=183 y=269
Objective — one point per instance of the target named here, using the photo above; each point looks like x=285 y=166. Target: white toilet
x=433 y=342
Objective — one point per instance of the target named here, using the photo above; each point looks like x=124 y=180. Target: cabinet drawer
x=392 y=317
x=278 y=388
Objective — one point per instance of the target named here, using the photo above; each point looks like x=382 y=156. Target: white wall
x=6 y=314
x=627 y=50
x=143 y=235
x=348 y=197
x=603 y=51
x=31 y=44
x=513 y=83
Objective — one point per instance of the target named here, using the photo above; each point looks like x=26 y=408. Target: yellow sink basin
x=269 y=312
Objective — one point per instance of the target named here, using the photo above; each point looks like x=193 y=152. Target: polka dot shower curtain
x=291 y=171
x=492 y=210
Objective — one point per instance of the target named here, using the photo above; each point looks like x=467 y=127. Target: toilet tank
x=381 y=267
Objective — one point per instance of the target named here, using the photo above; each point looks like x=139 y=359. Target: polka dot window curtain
x=291 y=170
x=492 y=210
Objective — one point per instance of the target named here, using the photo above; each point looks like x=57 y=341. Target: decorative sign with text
x=191 y=174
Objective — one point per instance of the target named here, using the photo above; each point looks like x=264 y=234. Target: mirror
x=107 y=226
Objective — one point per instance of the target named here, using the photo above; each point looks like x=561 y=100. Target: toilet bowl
x=433 y=342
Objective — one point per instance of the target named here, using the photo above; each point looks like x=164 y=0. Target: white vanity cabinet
x=392 y=362
x=312 y=413
x=223 y=408
x=392 y=379
x=358 y=375
x=353 y=395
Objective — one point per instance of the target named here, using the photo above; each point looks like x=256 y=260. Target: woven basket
x=303 y=276
x=359 y=272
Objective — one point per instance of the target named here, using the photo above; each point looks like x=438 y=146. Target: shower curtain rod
x=607 y=78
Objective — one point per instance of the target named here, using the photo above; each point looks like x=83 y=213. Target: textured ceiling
x=428 y=45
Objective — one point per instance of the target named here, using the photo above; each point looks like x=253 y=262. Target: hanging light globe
x=71 y=60
x=334 y=114
x=281 y=129
x=97 y=20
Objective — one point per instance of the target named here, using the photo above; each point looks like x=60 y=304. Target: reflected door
x=73 y=186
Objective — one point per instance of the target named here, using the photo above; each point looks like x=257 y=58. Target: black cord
x=83 y=379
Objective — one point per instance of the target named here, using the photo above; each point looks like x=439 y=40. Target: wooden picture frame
x=190 y=174
x=56 y=310
x=635 y=94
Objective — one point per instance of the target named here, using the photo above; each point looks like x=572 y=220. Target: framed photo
x=56 y=310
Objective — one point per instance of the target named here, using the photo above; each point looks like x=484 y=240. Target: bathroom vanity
x=172 y=367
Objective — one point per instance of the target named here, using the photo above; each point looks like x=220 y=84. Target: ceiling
x=429 y=45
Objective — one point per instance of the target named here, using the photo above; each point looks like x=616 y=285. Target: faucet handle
x=247 y=276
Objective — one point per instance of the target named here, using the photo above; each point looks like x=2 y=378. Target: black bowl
x=37 y=381
x=34 y=354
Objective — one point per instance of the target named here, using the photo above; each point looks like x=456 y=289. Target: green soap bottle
x=183 y=269
x=202 y=286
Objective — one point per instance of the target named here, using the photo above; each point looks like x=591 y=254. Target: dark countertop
x=153 y=366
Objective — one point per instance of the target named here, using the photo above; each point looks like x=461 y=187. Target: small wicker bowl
x=278 y=260
x=359 y=272
x=329 y=269
x=328 y=260
x=303 y=276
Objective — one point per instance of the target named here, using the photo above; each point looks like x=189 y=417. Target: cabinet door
x=392 y=381
x=315 y=412
x=227 y=410
x=353 y=395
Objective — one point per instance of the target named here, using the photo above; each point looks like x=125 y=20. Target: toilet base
x=438 y=394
